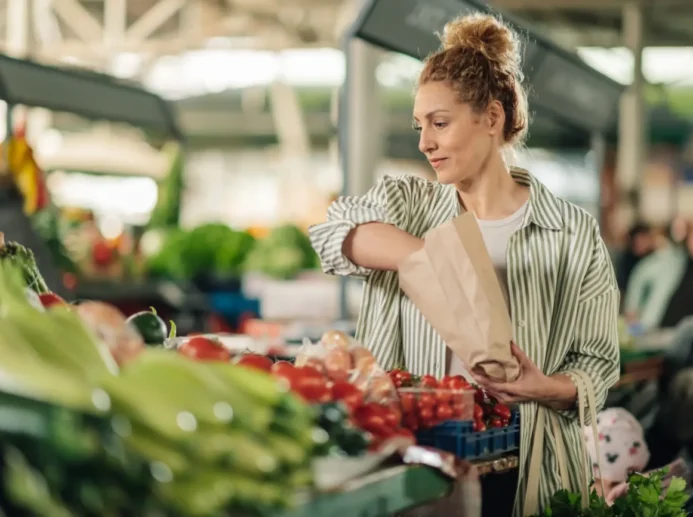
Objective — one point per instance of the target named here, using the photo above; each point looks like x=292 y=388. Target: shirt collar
x=543 y=208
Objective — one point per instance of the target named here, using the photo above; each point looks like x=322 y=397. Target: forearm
x=379 y=246
x=561 y=392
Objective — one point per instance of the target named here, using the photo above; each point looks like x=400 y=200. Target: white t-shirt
x=496 y=234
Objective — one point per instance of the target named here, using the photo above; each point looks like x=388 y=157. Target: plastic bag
x=342 y=358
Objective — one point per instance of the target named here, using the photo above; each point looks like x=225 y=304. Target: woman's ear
x=495 y=118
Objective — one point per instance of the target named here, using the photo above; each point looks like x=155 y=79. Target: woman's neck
x=493 y=193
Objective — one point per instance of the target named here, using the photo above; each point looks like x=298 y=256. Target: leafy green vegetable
x=284 y=253
x=647 y=496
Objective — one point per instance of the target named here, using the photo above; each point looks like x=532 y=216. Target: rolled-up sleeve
x=387 y=202
x=595 y=348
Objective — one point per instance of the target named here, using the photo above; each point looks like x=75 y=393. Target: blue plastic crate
x=460 y=439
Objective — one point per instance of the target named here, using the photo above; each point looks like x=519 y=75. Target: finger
x=520 y=355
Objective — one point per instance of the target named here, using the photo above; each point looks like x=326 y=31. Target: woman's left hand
x=531 y=385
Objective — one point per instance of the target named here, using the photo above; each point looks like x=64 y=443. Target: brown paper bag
x=453 y=283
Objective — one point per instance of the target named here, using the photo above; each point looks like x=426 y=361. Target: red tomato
x=371 y=417
x=281 y=367
x=350 y=395
x=426 y=400
x=310 y=371
x=426 y=415
x=444 y=412
x=459 y=410
x=408 y=402
x=502 y=411
x=311 y=385
x=480 y=396
x=428 y=381
x=411 y=421
x=506 y=422
x=479 y=426
x=405 y=377
x=405 y=433
x=204 y=349
x=444 y=396
x=393 y=417
x=457 y=382
x=478 y=412
x=50 y=299
x=257 y=361
x=495 y=422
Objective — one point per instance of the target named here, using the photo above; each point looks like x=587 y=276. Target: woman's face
x=456 y=141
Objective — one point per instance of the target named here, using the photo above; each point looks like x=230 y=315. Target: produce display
x=200 y=438
x=217 y=250
x=646 y=496
x=427 y=402
x=15 y=253
x=356 y=401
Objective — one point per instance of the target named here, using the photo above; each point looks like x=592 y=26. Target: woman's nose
x=426 y=144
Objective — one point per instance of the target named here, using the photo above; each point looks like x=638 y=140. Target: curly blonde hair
x=481 y=58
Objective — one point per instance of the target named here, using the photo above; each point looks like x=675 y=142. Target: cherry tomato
x=281 y=367
x=426 y=415
x=480 y=396
x=444 y=412
x=495 y=422
x=506 y=422
x=459 y=411
x=428 y=381
x=478 y=412
x=408 y=402
x=50 y=299
x=502 y=411
x=310 y=384
x=259 y=362
x=411 y=421
x=203 y=349
x=393 y=417
x=371 y=417
x=457 y=383
x=479 y=426
x=444 y=396
x=405 y=433
x=347 y=393
x=426 y=400
x=405 y=377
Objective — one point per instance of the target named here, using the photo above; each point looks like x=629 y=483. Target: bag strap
x=591 y=401
x=585 y=392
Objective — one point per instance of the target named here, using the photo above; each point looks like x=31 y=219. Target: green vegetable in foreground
x=647 y=497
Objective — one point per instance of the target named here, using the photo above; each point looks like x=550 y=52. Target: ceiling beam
x=79 y=20
x=551 y=5
x=153 y=19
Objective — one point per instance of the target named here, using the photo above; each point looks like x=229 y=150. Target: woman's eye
x=416 y=127
x=440 y=125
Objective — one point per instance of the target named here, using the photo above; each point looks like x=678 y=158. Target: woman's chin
x=446 y=179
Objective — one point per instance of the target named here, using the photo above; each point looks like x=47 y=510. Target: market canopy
x=88 y=94
x=562 y=87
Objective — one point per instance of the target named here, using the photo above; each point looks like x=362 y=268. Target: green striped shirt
x=563 y=297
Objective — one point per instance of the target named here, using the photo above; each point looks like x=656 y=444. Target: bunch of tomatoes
x=427 y=402
x=382 y=420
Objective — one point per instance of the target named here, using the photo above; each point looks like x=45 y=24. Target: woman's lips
x=437 y=162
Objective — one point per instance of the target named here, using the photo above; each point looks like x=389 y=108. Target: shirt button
x=522 y=323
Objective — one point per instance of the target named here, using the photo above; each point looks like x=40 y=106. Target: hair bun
x=485 y=34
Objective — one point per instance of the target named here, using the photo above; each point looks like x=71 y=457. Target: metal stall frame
x=89 y=94
x=565 y=94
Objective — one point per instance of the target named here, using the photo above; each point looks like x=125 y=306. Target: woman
x=640 y=243
x=660 y=292
x=562 y=294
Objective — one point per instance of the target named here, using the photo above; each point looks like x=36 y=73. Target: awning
x=561 y=85
x=88 y=94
